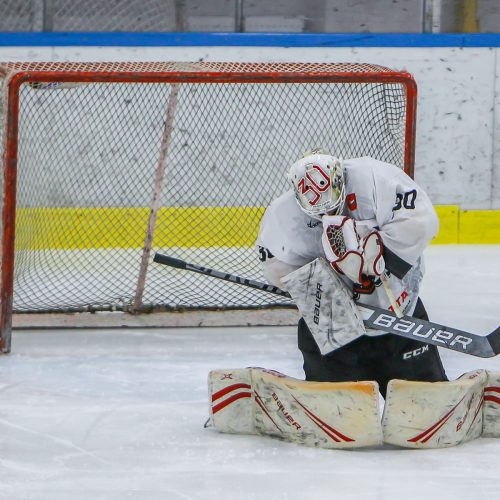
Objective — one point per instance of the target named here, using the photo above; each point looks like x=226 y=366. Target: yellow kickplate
x=42 y=228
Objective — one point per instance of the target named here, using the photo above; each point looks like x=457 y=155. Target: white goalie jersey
x=378 y=196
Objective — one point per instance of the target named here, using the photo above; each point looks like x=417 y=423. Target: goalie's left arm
x=405 y=217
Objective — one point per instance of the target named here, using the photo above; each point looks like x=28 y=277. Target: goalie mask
x=318 y=183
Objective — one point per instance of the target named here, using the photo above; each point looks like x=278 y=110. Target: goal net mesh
x=87 y=157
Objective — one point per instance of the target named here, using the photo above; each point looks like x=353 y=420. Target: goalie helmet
x=318 y=183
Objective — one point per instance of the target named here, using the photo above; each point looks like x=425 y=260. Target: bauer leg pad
x=434 y=414
x=231 y=401
x=322 y=414
x=491 y=408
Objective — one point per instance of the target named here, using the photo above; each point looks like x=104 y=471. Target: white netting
x=88 y=156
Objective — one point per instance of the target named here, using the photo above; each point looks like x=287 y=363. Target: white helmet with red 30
x=318 y=182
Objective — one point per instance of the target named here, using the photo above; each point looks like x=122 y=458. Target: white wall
x=458 y=129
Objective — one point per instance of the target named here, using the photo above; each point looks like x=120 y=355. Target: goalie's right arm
x=273 y=268
x=287 y=240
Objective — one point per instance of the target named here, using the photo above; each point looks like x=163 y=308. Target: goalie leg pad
x=321 y=414
x=434 y=414
x=491 y=408
x=326 y=305
x=231 y=405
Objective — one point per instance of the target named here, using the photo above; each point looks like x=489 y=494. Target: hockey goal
x=106 y=163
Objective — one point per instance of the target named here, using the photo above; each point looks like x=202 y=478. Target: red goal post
x=105 y=163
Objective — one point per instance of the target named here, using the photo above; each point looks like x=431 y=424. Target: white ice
x=119 y=414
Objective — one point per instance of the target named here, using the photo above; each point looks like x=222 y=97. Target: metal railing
x=320 y=16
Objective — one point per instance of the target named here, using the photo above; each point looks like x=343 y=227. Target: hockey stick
x=374 y=317
x=390 y=296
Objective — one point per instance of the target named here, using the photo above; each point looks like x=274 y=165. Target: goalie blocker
x=346 y=414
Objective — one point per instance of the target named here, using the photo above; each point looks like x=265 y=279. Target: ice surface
x=119 y=414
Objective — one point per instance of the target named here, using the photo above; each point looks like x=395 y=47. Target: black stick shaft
x=374 y=317
x=181 y=264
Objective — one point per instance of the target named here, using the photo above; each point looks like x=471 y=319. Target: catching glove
x=347 y=252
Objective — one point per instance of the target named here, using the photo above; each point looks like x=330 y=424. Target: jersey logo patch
x=352 y=204
x=313 y=224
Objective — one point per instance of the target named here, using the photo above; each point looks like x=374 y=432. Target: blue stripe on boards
x=60 y=39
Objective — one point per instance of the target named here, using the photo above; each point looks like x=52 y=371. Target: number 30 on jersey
x=405 y=200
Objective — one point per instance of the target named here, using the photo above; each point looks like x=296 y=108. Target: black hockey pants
x=380 y=358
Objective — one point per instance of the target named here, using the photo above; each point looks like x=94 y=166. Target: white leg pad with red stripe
x=434 y=414
x=491 y=409
x=231 y=401
x=322 y=414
